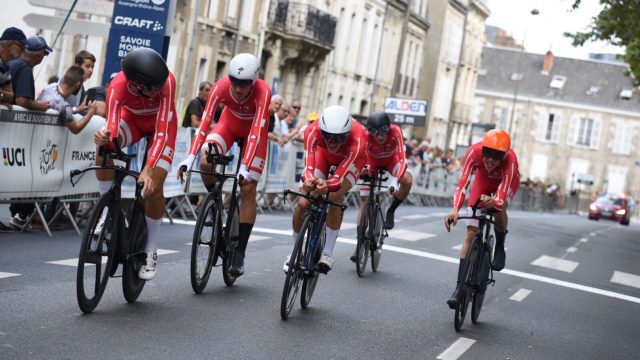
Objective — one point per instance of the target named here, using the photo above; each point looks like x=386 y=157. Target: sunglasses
x=379 y=131
x=334 y=138
x=240 y=82
x=493 y=154
x=145 y=90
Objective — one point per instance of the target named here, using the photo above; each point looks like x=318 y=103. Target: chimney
x=548 y=63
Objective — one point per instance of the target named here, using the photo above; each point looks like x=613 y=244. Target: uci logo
x=13 y=156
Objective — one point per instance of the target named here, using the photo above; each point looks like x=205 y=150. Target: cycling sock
x=243 y=236
x=104 y=186
x=332 y=235
x=500 y=236
x=295 y=236
x=394 y=204
x=153 y=226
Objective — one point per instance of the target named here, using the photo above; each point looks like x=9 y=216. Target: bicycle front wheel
x=309 y=283
x=484 y=258
x=97 y=253
x=378 y=238
x=132 y=285
x=294 y=273
x=466 y=288
x=364 y=239
x=228 y=249
x=205 y=237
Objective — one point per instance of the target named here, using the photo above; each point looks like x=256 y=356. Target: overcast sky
x=545 y=30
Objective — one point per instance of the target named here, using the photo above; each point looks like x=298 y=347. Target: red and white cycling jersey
x=390 y=155
x=239 y=119
x=504 y=180
x=349 y=159
x=143 y=116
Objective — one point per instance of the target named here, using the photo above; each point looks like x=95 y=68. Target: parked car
x=612 y=208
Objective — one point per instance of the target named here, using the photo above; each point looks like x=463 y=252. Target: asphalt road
x=571 y=289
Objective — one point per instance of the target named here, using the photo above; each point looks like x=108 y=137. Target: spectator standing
x=86 y=61
x=22 y=74
x=21 y=69
x=12 y=44
x=193 y=115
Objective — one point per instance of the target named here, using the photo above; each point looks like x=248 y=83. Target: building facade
x=451 y=67
x=573 y=119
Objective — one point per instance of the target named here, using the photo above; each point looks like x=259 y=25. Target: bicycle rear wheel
x=97 y=253
x=132 y=285
x=364 y=240
x=294 y=274
x=203 y=248
x=378 y=239
x=309 y=283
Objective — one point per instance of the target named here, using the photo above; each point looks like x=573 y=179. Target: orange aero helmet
x=497 y=140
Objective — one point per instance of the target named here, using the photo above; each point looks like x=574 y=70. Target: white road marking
x=592 y=234
x=7 y=275
x=74 y=261
x=572 y=249
x=555 y=263
x=520 y=295
x=457 y=247
x=258 y=237
x=422 y=216
x=415 y=216
x=409 y=235
x=584 y=240
x=456 y=349
x=624 y=278
x=348 y=225
x=456 y=261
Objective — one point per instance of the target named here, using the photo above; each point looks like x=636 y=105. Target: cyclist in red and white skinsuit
x=333 y=140
x=245 y=116
x=496 y=172
x=140 y=103
x=385 y=150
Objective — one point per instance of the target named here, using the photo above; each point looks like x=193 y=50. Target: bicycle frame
x=318 y=216
x=214 y=157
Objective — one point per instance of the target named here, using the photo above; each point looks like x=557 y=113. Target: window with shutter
x=549 y=126
x=557 y=125
x=596 y=131
x=572 y=135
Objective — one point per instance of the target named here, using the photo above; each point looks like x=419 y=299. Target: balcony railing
x=303 y=20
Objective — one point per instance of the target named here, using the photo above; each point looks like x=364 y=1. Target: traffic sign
x=72 y=26
x=93 y=7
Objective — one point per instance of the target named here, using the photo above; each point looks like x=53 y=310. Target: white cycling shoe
x=148 y=270
x=325 y=264
x=285 y=266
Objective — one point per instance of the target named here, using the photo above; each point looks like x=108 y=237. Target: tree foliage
x=618 y=24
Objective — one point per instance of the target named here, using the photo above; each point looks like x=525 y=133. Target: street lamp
x=518 y=78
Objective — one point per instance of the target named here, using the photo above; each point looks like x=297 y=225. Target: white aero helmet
x=335 y=123
x=244 y=68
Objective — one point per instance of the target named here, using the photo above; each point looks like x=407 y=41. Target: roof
x=498 y=65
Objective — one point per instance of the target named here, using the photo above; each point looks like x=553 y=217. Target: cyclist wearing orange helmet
x=496 y=172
